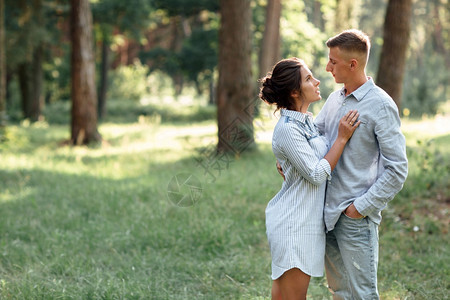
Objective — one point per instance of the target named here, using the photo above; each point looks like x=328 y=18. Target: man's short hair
x=351 y=40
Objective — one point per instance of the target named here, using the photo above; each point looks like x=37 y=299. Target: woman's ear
x=295 y=94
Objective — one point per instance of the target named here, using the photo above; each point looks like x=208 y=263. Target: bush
x=128 y=82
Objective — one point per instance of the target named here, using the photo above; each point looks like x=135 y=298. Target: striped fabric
x=294 y=217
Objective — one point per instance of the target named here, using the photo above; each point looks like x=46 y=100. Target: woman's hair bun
x=277 y=85
x=267 y=92
x=267 y=81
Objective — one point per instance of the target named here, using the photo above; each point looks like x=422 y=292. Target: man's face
x=338 y=65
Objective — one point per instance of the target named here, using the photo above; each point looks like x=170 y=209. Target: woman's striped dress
x=294 y=217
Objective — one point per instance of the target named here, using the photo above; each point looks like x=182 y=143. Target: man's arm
x=394 y=164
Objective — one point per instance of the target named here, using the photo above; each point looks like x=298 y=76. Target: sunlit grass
x=96 y=222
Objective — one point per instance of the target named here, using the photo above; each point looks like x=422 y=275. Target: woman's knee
x=294 y=284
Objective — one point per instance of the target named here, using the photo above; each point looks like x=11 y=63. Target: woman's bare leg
x=276 y=290
x=293 y=285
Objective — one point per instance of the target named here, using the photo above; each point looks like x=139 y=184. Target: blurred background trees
x=396 y=33
x=2 y=67
x=152 y=52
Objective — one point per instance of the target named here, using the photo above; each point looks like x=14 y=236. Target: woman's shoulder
x=292 y=128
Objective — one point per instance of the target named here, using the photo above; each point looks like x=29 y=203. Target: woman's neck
x=300 y=107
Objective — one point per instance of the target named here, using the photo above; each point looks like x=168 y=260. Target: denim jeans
x=351 y=259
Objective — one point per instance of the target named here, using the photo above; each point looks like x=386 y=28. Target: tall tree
x=28 y=61
x=347 y=12
x=128 y=17
x=2 y=65
x=235 y=107
x=395 y=43
x=83 y=93
x=104 y=67
x=270 y=48
x=37 y=97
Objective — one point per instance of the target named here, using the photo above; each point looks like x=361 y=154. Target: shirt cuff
x=363 y=206
x=326 y=167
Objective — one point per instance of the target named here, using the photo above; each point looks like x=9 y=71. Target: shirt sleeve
x=393 y=163
x=299 y=153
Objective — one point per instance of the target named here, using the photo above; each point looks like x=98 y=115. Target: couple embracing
x=340 y=171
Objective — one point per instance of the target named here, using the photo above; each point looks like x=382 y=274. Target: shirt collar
x=296 y=115
x=360 y=92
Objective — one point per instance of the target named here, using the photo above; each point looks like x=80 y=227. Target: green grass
x=97 y=223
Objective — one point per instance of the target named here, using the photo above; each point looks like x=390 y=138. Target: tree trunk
x=2 y=66
x=235 y=88
x=103 y=76
x=83 y=93
x=318 y=20
x=347 y=12
x=37 y=100
x=270 y=48
x=36 y=103
x=30 y=83
x=212 y=94
x=25 y=88
x=393 y=54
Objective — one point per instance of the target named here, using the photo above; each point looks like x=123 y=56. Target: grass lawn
x=105 y=222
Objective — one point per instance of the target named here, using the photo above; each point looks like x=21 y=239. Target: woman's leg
x=292 y=285
x=276 y=290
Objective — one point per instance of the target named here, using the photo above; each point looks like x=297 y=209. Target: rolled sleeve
x=299 y=153
x=393 y=164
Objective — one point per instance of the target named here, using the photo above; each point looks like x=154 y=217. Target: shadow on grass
x=71 y=233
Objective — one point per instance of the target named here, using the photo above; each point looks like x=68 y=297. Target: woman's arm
x=345 y=132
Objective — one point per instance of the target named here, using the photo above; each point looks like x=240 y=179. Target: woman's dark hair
x=278 y=84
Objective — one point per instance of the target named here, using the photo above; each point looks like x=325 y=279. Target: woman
x=294 y=217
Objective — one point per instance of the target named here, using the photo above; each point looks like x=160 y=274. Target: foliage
x=155 y=111
x=57 y=76
x=186 y=7
x=196 y=59
x=428 y=67
x=129 y=82
x=191 y=57
x=58 y=112
x=426 y=88
x=159 y=113
x=199 y=54
x=130 y=16
x=163 y=59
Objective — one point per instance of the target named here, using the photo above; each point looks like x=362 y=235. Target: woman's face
x=309 y=86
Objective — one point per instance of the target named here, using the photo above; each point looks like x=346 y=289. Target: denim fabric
x=351 y=259
x=373 y=166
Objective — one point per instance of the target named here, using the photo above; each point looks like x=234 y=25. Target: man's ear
x=353 y=64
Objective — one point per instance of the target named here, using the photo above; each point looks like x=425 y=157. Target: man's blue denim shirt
x=373 y=166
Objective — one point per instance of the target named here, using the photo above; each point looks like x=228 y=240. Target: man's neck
x=355 y=83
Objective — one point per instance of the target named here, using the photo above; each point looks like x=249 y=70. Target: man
x=370 y=172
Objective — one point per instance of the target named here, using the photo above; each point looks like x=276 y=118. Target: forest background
x=107 y=105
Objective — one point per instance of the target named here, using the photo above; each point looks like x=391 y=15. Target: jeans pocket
x=351 y=217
